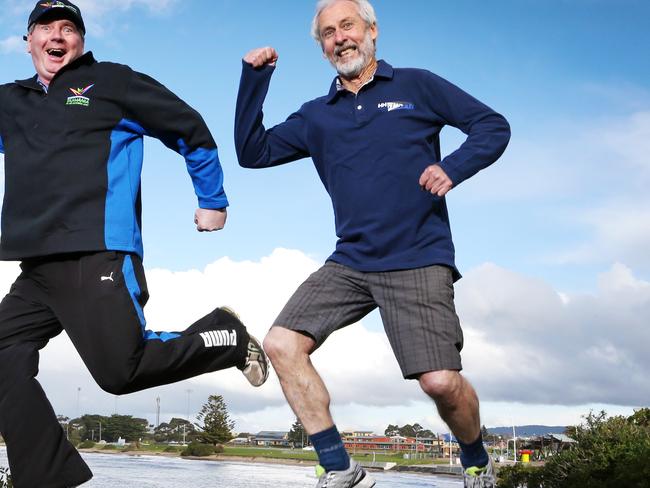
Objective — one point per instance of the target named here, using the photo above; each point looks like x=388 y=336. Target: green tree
x=174 y=431
x=89 y=426
x=124 y=426
x=297 y=435
x=216 y=427
x=391 y=430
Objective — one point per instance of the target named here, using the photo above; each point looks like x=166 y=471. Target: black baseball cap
x=59 y=9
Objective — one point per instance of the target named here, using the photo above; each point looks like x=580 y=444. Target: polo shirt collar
x=384 y=70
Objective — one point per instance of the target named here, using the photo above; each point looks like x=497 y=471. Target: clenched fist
x=262 y=56
x=435 y=181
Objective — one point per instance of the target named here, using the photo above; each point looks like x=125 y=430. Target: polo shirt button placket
x=359 y=110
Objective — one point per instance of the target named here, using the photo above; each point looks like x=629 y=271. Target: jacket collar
x=32 y=83
x=384 y=70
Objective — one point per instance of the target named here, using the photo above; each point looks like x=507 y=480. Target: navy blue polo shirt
x=369 y=150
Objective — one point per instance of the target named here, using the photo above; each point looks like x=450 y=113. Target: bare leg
x=302 y=385
x=457 y=402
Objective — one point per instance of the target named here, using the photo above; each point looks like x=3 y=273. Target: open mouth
x=346 y=51
x=57 y=53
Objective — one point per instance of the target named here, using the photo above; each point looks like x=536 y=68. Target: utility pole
x=157 y=411
x=78 y=393
x=189 y=392
x=100 y=431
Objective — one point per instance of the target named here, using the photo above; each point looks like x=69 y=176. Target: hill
x=527 y=430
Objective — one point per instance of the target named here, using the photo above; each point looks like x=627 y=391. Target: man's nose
x=56 y=35
x=339 y=36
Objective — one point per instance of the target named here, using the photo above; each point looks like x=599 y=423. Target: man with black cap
x=72 y=139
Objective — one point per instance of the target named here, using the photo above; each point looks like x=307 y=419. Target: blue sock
x=473 y=454
x=331 y=452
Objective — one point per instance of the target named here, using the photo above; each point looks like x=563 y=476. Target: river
x=114 y=470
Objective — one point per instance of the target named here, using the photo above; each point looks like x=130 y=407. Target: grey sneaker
x=475 y=477
x=355 y=476
x=256 y=368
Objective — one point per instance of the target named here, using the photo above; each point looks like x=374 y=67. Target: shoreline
x=429 y=469
x=212 y=457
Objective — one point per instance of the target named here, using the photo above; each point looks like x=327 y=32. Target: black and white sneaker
x=256 y=368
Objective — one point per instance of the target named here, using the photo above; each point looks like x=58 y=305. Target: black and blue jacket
x=73 y=158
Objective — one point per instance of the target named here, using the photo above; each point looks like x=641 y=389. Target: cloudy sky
x=552 y=240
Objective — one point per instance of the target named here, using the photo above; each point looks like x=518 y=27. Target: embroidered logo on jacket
x=390 y=106
x=78 y=98
x=218 y=338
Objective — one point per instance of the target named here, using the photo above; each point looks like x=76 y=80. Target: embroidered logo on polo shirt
x=78 y=98
x=390 y=106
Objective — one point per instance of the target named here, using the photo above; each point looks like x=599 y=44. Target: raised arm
x=257 y=147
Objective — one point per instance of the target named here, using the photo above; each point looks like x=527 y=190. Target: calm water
x=154 y=472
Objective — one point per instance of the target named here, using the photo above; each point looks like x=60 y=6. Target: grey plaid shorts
x=416 y=306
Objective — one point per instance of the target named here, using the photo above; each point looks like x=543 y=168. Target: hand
x=262 y=56
x=436 y=181
x=209 y=220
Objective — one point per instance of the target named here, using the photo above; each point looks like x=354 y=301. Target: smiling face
x=347 y=40
x=54 y=44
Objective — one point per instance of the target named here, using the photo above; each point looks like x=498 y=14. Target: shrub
x=86 y=445
x=218 y=449
x=171 y=449
x=198 y=449
x=518 y=475
x=5 y=478
x=109 y=447
x=609 y=452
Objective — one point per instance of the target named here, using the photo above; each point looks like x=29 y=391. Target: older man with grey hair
x=374 y=139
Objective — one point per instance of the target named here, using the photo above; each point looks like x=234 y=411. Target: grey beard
x=352 y=68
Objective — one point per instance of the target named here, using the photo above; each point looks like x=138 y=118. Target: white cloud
x=526 y=345
x=13 y=44
x=100 y=17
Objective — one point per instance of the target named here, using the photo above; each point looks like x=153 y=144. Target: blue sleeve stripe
x=2 y=147
x=134 y=291
x=122 y=219
x=134 y=288
x=160 y=336
x=205 y=170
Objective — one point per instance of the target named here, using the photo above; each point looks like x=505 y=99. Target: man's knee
x=283 y=344
x=442 y=386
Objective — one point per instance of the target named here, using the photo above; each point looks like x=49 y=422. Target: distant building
x=367 y=441
x=270 y=438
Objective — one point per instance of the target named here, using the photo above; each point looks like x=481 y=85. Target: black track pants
x=97 y=299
